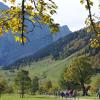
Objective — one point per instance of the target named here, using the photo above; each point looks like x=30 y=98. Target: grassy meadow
x=39 y=97
x=50 y=68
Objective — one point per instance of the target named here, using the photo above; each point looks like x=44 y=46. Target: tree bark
x=84 y=89
x=0 y=94
x=23 y=20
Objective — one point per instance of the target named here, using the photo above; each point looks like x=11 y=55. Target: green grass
x=16 y=97
x=46 y=67
x=38 y=97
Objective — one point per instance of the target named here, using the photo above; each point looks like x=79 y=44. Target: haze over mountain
x=10 y=51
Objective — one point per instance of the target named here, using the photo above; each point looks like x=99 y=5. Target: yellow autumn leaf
x=98 y=34
x=21 y=40
x=12 y=1
x=17 y=38
x=1 y=31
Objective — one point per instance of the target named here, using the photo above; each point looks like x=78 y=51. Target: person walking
x=62 y=94
x=98 y=94
x=74 y=94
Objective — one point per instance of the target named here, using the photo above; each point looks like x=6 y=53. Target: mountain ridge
x=11 y=51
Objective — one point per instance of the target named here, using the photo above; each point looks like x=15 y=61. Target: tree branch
x=23 y=20
x=35 y=5
x=90 y=16
x=32 y=25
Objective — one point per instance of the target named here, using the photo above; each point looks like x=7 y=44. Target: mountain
x=40 y=38
x=74 y=44
x=64 y=51
x=63 y=30
x=3 y=6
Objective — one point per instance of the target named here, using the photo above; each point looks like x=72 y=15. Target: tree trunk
x=22 y=92
x=0 y=94
x=84 y=89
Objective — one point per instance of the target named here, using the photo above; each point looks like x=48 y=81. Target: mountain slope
x=3 y=6
x=65 y=50
x=77 y=42
x=45 y=68
x=11 y=51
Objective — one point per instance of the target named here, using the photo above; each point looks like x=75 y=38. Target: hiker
x=98 y=94
x=74 y=94
x=62 y=94
x=70 y=93
x=67 y=94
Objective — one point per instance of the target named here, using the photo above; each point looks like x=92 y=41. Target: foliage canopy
x=15 y=18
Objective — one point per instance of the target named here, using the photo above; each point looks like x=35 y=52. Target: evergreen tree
x=35 y=85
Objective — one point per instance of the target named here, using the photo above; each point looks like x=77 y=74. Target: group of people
x=73 y=94
x=68 y=93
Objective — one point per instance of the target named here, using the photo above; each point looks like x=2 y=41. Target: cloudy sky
x=72 y=13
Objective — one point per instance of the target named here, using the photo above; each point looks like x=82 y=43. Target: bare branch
x=36 y=18
x=32 y=25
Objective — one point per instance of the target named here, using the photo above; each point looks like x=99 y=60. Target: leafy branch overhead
x=15 y=18
x=40 y=11
x=93 y=23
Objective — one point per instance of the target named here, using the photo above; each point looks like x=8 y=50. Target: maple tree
x=80 y=72
x=93 y=23
x=36 y=11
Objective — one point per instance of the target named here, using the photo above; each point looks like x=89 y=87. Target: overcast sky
x=72 y=13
